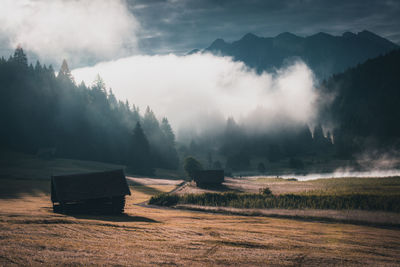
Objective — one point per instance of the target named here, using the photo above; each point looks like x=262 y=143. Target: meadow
x=31 y=234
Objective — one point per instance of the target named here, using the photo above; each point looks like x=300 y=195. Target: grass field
x=378 y=185
x=31 y=235
x=338 y=186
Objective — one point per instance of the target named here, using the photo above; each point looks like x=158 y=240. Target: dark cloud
x=181 y=25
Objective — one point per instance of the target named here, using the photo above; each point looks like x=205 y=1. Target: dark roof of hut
x=84 y=186
x=209 y=176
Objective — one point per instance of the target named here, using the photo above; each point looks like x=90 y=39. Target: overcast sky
x=181 y=25
x=86 y=32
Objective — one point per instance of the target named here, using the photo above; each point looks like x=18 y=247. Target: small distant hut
x=101 y=192
x=206 y=178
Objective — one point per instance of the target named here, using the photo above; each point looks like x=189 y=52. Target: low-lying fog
x=197 y=93
x=337 y=174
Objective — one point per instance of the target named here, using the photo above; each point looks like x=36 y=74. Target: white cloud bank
x=200 y=91
x=78 y=30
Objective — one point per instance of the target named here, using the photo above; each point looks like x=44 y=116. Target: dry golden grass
x=31 y=235
x=362 y=217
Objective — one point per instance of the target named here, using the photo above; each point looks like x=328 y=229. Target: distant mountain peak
x=366 y=32
x=369 y=34
x=194 y=51
x=286 y=34
x=324 y=53
x=218 y=42
x=218 y=45
x=321 y=35
x=348 y=35
x=249 y=37
x=374 y=38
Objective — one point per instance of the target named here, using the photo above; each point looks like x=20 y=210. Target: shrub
x=164 y=199
x=265 y=191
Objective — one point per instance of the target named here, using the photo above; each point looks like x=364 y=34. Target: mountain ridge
x=324 y=53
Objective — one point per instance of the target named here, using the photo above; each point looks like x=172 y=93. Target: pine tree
x=167 y=148
x=167 y=131
x=50 y=70
x=38 y=67
x=150 y=122
x=20 y=57
x=99 y=84
x=65 y=73
x=127 y=105
x=140 y=160
x=82 y=86
x=135 y=113
x=112 y=99
x=318 y=133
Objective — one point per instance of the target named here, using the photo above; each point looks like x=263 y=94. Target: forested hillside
x=365 y=111
x=359 y=115
x=42 y=111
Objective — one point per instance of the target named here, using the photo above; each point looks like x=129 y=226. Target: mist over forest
x=43 y=110
x=271 y=101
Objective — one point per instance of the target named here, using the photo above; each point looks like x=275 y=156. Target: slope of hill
x=324 y=53
x=366 y=107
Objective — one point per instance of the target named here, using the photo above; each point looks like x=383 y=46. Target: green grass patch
x=346 y=186
x=342 y=186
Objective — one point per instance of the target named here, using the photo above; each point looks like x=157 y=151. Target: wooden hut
x=206 y=178
x=101 y=192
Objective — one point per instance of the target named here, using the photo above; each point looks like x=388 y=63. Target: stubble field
x=31 y=234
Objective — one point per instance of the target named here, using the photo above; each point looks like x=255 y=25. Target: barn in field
x=100 y=192
x=206 y=178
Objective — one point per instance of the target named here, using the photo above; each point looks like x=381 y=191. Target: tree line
x=362 y=119
x=365 y=109
x=39 y=109
x=236 y=149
